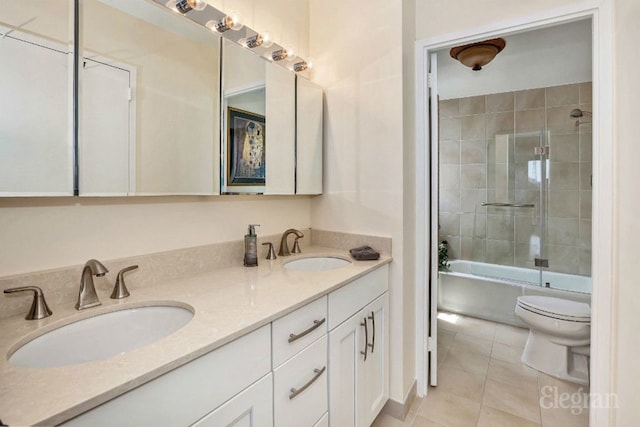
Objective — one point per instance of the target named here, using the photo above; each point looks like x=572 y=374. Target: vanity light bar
x=232 y=21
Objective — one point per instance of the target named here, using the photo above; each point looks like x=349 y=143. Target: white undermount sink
x=102 y=336
x=319 y=263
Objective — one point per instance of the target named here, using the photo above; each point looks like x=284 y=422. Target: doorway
x=602 y=178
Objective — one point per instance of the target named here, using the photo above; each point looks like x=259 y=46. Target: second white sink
x=102 y=336
x=317 y=264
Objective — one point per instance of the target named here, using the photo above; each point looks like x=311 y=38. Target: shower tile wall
x=468 y=128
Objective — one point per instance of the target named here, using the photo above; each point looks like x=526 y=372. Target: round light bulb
x=197 y=4
x=236 y=20
x=266 y=40
x=291 y=55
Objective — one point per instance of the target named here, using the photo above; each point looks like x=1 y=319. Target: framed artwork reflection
x=245 y=148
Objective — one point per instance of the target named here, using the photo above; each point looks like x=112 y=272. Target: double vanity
x=296 y=341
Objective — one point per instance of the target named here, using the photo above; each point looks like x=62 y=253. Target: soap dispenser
x=251 y=247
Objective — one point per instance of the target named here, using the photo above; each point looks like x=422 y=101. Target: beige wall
x=438 y=17
x=626 y=208
x=44 y=233
x=359 y=63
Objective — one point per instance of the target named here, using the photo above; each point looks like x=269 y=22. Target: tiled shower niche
x=487 y=154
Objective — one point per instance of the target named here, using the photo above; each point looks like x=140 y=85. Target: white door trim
x=602 y=336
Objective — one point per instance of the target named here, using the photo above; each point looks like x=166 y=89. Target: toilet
x=559 y=336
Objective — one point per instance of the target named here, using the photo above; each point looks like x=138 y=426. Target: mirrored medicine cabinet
x=164 y=107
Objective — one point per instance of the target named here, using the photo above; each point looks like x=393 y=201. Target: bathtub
x=489 y=291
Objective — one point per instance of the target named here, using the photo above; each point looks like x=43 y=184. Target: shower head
x=577 y=113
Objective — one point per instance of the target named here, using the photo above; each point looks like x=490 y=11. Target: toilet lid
x=556 y=307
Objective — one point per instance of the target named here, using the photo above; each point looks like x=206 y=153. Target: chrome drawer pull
x=373 y=339
x=318 y=373
x=316 y=325
x=366 y=339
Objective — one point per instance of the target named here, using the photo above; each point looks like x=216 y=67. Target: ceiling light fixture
x=301 y=66
x=229 y=22
x=477 y=55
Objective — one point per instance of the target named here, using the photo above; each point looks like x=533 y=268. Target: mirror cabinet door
x=36 y=92
x=258 y=152
x=308 y=137
x=149 y=101
x=281 y=112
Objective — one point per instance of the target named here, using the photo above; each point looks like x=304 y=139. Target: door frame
x=602 y=336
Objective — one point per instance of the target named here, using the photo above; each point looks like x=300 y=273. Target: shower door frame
x=600 y=13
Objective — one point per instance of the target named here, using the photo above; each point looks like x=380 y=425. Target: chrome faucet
x=87 y=296
x=284 y=247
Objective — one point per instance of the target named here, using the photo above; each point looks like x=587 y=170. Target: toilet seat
x=556 y=308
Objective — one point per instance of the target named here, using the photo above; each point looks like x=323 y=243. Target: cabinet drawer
x=252 y=408
x=300 y=387
x=186 y=394
x=297 y=330
x=349 y=299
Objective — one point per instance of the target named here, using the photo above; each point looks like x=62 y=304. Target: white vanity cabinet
x=359 y=351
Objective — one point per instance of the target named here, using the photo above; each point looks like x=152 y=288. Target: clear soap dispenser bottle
x=251 y=247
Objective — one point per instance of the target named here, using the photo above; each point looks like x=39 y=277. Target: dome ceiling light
x=477 y=55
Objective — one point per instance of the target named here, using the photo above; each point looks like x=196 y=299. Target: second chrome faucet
x=87 y=296
x=284 y=247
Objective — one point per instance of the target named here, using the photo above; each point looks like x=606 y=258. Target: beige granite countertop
x=227 y=303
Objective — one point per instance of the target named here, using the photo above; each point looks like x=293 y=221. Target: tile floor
x=483 y=383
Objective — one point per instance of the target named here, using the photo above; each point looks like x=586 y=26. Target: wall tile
x=559 y=120
x=530 y=120
x=473 y=176
x=450 y=128
x=510 y=230
x=584 y=240
x=455 y=251
x=585 y=204
x=528 y=99
x=449 y=201
x=500 y=227
x=473 y=249
x=473 y=151
x=525 y=228
x=524 y=147
x=586 y=147
x=584 y=262
x=585 y=175
x=449 y=107
x=562 y=231
x=473 y=225
x=564 y=204
x=585 y=93
x=450 y=177
x=449 y=224
x=564 y=175
x=472 y=199
x=473 y=127
x=525 y=255
x=500 y=123
x=449 y=152
x=563 y=259
x=500 y=252
x=472 y=105
x=563 y=95
x=501 y=102
x=565 y=148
